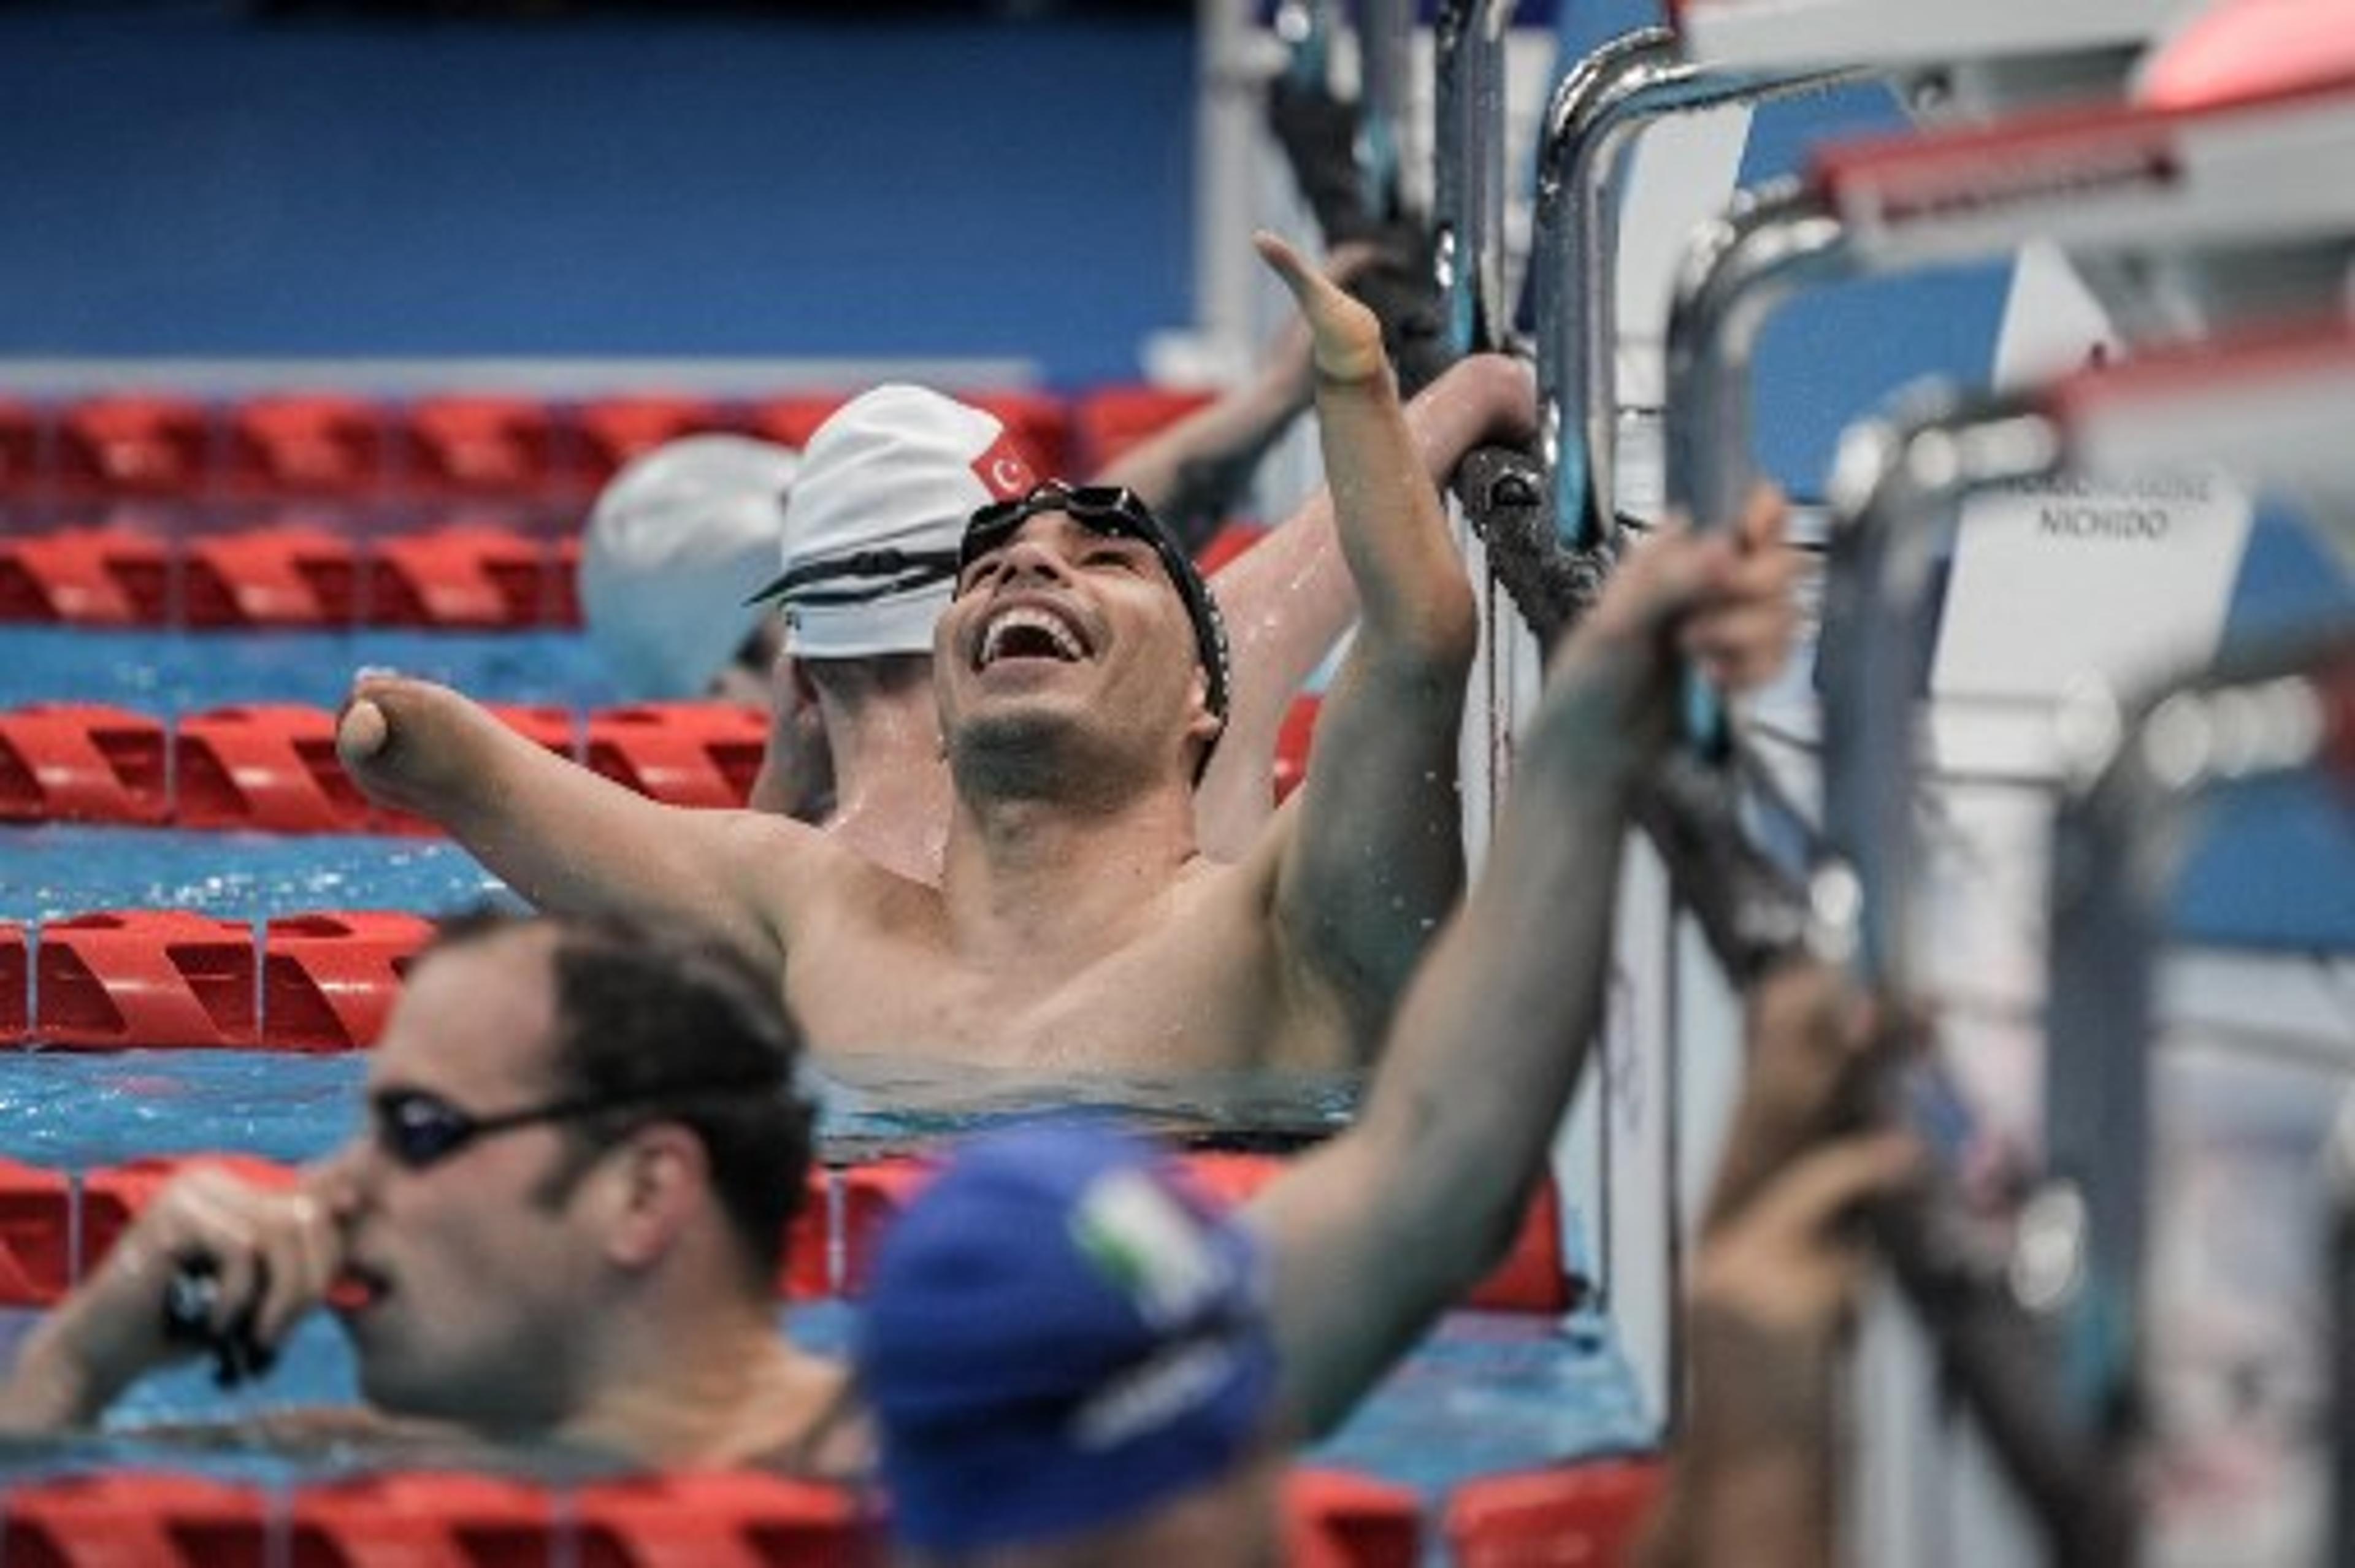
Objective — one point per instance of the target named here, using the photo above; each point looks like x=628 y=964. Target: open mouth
x=357 y=1288
x=1028 y=632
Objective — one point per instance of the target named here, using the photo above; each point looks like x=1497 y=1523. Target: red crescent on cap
x=1003 y=469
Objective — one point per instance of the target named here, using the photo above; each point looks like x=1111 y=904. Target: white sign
x=2057 y=581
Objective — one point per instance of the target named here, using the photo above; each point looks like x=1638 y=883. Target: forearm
x=562 y=835
x=53 y=1387
x=1411 y=587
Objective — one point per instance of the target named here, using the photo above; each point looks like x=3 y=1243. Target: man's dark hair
x=643 y=1010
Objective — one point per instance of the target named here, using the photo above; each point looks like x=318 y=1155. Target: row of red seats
x=511 y=448
x=56 y=1228
x=273 y=768
x=1586 y=1515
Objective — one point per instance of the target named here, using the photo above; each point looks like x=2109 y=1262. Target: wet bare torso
x=1188 y=978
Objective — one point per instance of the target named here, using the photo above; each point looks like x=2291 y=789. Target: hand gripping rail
x=2265 y=410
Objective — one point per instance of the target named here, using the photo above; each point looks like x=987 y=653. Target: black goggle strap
x=885 y=572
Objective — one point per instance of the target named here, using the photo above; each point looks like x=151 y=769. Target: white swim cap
x=886 y=488
x=673 y=541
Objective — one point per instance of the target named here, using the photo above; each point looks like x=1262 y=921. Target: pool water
x=1488 y=1393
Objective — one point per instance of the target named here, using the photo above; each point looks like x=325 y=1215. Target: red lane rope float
x=1532 y=1277
x=1336 y=1520
x=292 y=574
x=328 y=981
x=81 y=762
x=20 y=451
x=270 y=767
x=115 y=1519
x=686 y=753
x=35 y=1235
x=314 y=445
x=134 y=445
x=425 y=1518
x=469 y=575
x=724 y=1520
x=615 y=430
x=506 y=448
x=829 y=1244
x=790 y=421
x=86 y=577
x=1586 y=1514
x=146 y=977
x=449 y=1519
x=16 y=983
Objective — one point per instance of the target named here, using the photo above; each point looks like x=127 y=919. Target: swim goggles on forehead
x=1117 y=512
x=416 y=1129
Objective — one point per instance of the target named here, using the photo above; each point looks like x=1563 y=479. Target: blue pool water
x=165 y=673
x=1486 y=1393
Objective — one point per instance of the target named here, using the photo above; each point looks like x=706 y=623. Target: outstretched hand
x=1345 y=336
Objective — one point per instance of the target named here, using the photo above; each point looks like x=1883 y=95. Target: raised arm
x=562 y=836
x=1374 y=857
x=1422 y=1193
x=1192 y=473
x=1288 y=598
